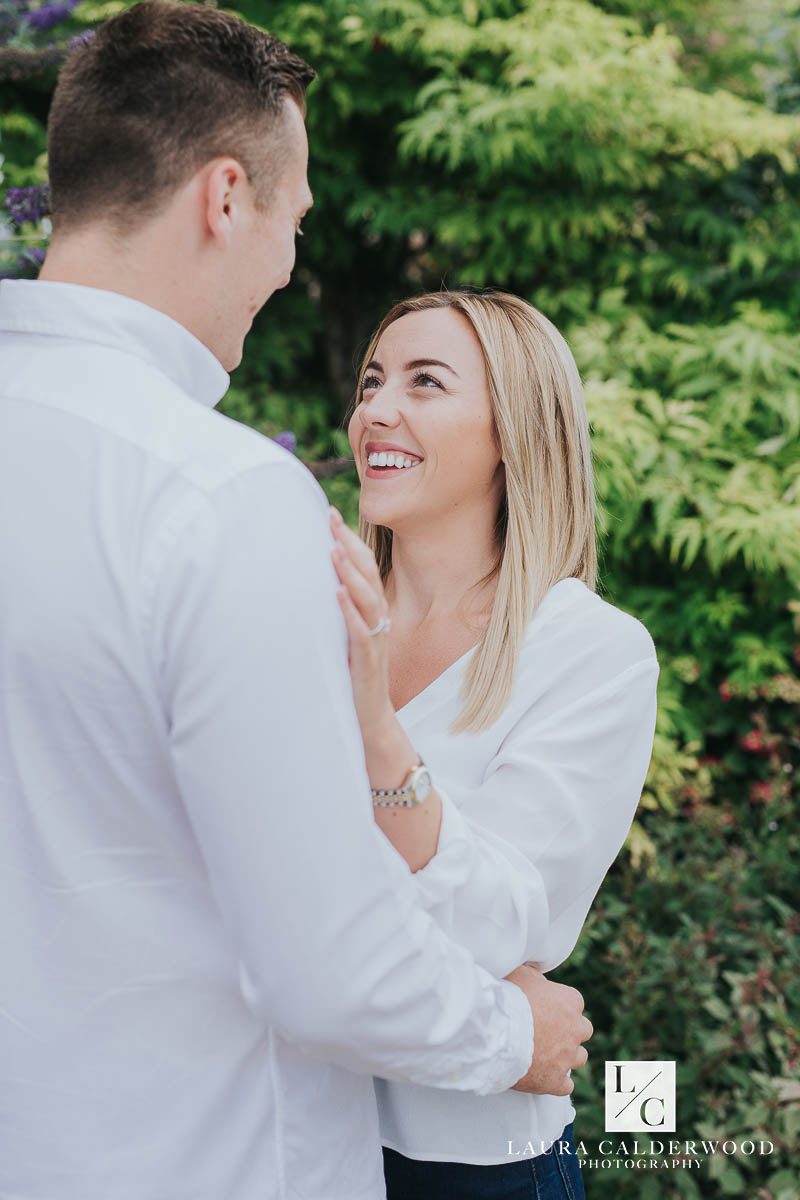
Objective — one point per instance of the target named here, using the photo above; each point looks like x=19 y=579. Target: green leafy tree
x=631 y=169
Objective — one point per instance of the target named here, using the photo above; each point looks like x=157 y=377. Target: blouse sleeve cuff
x=450 y=866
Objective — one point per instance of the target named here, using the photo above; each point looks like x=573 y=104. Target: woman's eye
x=423 y=379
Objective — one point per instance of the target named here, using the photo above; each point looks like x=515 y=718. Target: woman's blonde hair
x=545 y=528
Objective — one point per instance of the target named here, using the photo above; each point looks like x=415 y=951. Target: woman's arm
x=388 y=752
x=521 y=858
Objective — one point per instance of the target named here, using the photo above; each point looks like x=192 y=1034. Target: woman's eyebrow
x=411 y=366
x=429 y=362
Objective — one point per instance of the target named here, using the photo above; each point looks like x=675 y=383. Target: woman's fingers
x=356 y=625
x=362 y=595
x=358 y=572
x=360 y=557
x=360 y=553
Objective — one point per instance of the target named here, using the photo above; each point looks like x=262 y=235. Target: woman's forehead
x=430 y=333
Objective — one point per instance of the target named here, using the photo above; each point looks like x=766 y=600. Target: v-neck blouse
x=556 y=597
x=534 y=811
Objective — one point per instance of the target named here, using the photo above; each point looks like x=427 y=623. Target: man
x=208 y=946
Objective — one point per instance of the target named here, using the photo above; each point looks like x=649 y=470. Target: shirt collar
x=109 y=319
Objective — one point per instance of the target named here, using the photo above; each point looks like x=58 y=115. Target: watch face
x=422 y=785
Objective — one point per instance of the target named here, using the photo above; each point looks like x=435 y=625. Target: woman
x=510 y=706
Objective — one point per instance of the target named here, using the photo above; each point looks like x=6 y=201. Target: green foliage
x=23 y=140
x=630 y=168
x=697 y=961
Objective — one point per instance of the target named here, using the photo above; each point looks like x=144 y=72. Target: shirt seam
x=146 y=452
x=277 y=1095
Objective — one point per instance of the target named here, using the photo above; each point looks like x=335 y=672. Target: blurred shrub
x=630 y=168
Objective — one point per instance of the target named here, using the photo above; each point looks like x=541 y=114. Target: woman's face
x=426 y=394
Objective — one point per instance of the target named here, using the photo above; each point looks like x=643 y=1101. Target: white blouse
x=535 y=810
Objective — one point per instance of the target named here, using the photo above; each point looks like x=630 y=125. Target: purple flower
x=287 y=440
x=28 y=204
x=44 y=18
x=33 y=256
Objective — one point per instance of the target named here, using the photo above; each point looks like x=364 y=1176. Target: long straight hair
x=545 y=526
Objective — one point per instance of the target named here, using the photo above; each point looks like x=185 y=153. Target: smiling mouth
x=388 y=472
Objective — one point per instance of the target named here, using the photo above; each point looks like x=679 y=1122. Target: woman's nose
x=383 y=409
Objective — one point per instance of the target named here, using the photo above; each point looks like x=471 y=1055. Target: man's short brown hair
x=157 y=92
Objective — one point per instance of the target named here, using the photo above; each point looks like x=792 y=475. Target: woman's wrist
x=389 y=753
x=414 y=832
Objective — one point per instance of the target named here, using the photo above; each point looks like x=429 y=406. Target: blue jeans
x=554 y=1175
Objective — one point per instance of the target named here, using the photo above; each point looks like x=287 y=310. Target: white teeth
x=391 y=459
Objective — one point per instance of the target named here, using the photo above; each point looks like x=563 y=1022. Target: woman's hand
x=363 y=603
x=388 y=753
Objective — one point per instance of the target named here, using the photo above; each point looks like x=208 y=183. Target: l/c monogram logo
x=640 y=1097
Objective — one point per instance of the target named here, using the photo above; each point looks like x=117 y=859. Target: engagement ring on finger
x=383 y=626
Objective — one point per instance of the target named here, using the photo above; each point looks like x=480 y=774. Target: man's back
x=128 y=1054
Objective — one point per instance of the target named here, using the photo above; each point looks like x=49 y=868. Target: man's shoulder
x=208 y=448
x=211 y=448
x=131 y=402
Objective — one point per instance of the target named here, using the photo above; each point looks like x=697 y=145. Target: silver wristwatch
x=415 y=789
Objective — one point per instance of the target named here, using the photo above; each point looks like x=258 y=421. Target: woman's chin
x=377 y=513
x=376 y=518
x=379 y=508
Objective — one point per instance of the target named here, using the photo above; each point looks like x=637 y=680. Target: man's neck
x=92 y=258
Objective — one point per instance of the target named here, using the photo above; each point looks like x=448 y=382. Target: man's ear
x=224 y=192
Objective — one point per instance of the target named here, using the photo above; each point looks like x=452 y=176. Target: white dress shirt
x=535 y=810
x=208 y=947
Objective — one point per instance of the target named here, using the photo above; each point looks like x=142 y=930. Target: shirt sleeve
x=335 y=949
x=521 y=858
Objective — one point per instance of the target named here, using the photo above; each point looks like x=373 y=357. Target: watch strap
x=397 y=797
